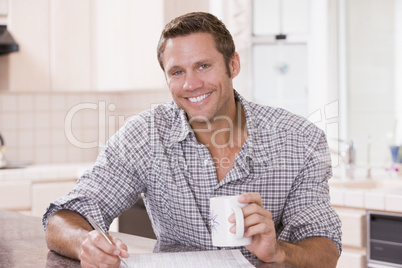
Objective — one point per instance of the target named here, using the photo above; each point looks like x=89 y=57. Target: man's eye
x=204 y=66
x=177 y=73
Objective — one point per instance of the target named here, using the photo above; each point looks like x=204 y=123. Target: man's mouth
x=199 y=98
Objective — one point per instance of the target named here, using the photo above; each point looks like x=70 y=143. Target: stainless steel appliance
x=384 y=239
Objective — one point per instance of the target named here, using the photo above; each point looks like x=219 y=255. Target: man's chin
x=198 y=119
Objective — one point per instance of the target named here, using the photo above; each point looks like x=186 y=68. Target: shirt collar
x=249 y=147
x=180 y=126
x=263 y=142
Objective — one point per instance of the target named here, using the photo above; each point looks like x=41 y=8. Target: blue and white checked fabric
x=285 y=159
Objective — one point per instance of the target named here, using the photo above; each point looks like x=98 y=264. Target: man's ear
x=234 y=65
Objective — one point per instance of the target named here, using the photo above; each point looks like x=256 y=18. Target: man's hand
x=311 y=252
x=69 y=234
x=97 y=252
x=261 y=228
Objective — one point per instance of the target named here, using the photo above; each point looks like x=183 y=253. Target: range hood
x=7 y=43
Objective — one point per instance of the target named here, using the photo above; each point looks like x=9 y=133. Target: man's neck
x=223 y=132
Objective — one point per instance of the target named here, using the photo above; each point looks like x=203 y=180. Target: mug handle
x=239 y=222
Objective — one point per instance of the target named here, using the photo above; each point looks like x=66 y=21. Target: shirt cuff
x=79 y=204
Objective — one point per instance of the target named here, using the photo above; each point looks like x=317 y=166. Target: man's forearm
x=65 y=232
x=311 y=253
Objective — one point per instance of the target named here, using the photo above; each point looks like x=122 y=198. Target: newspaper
x=196 y=259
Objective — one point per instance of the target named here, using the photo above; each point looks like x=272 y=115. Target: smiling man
x=208 y=142
x=201 y=84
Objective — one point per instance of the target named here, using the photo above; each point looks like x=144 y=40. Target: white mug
x=221 y=208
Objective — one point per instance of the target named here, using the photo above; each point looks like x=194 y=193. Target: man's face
x=197 y=77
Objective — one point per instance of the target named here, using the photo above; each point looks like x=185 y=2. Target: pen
x=98 y=228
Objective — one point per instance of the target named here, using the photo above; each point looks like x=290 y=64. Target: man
x=208 y=142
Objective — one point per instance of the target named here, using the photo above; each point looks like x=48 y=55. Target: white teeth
x=199 y=98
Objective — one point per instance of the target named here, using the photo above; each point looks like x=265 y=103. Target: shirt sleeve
x=114 y=183
x=308 y=212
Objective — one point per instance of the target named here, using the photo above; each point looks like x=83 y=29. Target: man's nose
x=192 y=81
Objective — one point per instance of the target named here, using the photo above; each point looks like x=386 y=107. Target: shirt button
x=206 y=162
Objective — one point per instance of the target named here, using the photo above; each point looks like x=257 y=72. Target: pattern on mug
x=214 y=223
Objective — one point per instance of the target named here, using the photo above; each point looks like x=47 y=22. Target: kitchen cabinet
x=29 y=69
x=31 y=189
x=85 y=45
x=44 y=193
x=353 y=226
x=125 y=37
x=351 y=257
x=353 y=237
x=32 y=197
x=15 y=195
x=70 y=45
x=273 y=17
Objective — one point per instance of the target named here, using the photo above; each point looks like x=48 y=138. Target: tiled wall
x=33 y=124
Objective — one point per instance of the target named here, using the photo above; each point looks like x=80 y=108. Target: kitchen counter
x=370 y=194
x=22 y=244
x=45 y=173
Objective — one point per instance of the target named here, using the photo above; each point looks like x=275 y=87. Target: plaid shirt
x=285 y=159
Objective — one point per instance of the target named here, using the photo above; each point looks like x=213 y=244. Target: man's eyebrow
x=202 y=61
x=172 y=68
x=208 y=61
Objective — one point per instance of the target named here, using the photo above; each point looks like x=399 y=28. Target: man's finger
x=100 y=242
x=123 y=247
x=250 y=198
